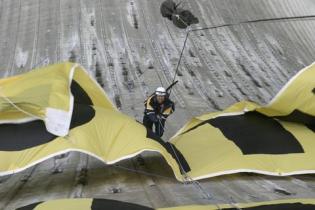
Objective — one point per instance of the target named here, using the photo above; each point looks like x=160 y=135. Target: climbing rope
x=281 y=19
x=143 y=172
x=186 y=178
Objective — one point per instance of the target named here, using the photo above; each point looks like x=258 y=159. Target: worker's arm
x=153 y=117
x=149 y=111
x=167 y=112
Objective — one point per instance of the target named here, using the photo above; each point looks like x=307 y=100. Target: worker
x=157 y=108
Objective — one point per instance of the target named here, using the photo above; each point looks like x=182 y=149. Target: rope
x=196 y=184
x=182 y=52
x=142 y=172
x=43 y=61
x=183 y=2
x=296 y=18
x=2 y=95
x=187 y=178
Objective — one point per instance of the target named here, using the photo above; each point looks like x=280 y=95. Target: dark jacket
x=154 y=110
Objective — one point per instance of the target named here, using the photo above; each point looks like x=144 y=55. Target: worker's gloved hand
x=153 y=118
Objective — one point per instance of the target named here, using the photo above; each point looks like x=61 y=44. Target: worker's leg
x=147 y=122
x=159 y=127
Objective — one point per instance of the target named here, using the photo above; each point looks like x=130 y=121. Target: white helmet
x=160 y=91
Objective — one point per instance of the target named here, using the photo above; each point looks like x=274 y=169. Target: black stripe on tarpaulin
x=104 y=204
x=29 y=207
x=298 y=116
x=313 y=90
x=287 y=206
x=82 y=114
x=79 y=94
x=17 y=137
x=170 y=148
x=255 y=133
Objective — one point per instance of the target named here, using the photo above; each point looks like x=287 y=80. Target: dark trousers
x=159 y=126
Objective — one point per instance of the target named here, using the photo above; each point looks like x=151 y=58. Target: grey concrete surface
x=130 y=49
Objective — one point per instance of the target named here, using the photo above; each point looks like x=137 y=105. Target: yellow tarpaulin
x=97 y=204
x=45 y=94
x=95 y=126
x=277 y=139
x=59 y=108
